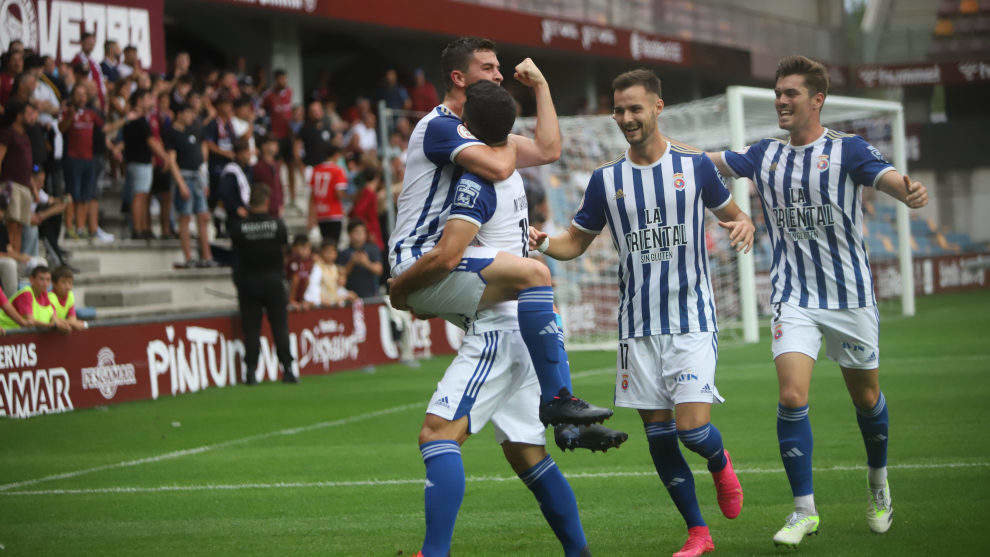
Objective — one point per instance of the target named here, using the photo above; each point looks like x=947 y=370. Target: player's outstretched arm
x=739 y=225
x=715 y=156
x=546 y=144
x=435 y=264
x=911 y=193
x=564 y=246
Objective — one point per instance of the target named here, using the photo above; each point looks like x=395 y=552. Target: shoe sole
x=795 y=545
x=577 y=421
x=609 y=443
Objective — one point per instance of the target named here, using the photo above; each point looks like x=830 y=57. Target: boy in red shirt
x=366 y=205
x=297 y=270
x=328 y=187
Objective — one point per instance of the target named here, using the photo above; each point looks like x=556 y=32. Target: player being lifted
x=454 y=283
x=492 y=377
x=810 y=187
x=652 y=199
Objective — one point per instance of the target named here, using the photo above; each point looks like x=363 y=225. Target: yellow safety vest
x=62 y=311
x=39 y=312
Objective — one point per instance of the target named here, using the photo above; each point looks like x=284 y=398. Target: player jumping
x=492 y=377
x=810 y=187
x=652 y=199
x=454 y=283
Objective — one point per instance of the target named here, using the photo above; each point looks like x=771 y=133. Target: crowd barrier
x=47 y=372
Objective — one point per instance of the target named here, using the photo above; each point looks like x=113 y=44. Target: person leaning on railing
x=33 y=305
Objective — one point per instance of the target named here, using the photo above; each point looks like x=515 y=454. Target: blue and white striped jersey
x=428 y=187
x=656 y=216
x=812 y=205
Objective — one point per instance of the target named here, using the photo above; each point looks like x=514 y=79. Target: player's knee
x=534 y=273
x=791 y=397
x=866 y=398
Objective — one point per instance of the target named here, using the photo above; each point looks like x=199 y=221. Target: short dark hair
x=260 y=193
x=278 y=73
x=107 y=43
x=61 y=272
x=242 y=144
x=86 y=35
x=130 y=48
x=242 y=101
x=300 y=240
x=814 y=73
x=458 y=53
x=328 y=244
x=354 y=224
x=137 y=94
x=489 y=111
x=40 y=269
x=641 y=76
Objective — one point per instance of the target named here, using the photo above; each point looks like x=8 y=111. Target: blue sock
x=873 y=424
x=794 y=436
x=706 y=441
x=673 y=470
x=565 y=369
x=538 y=326
x=557 y=503
x=444 y=493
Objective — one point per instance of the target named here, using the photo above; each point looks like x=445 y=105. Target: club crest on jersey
x=822 y=162
x=463 y=132
x=466 y=194
x=679 y=182
x=777 y=332
x=773 y=166
x=619 y=195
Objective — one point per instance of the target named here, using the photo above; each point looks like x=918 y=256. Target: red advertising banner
x=54 y=27
x=934 y=275
x=44 y=373
x=932 y=73
x=459 y=18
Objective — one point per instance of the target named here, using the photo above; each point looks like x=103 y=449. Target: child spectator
x=297 y=271
x=326 y=282
x=62 y=298
x=362 y=262
x=329 y=189
x=33 y=304
x=9 y=314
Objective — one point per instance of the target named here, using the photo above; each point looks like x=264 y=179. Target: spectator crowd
x=182 y=151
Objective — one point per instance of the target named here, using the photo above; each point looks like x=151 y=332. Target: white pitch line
x=206 y=448
x=419 y=481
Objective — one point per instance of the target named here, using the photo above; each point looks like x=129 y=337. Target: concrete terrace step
x=179 y=287
x=128 y=297
x=158 y=310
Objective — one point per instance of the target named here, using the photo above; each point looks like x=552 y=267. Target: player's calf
x=440 y=441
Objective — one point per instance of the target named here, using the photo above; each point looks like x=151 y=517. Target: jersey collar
x=812 y=144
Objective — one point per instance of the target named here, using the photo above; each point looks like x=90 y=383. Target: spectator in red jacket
x=423 y=94
x=366 y=205
x=269 y=172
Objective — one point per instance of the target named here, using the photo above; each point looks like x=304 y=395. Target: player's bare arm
x=434 y=264
x=565 y=246
x=545 y=146
x=912 y=193
x=739 y=225
x=491 y=163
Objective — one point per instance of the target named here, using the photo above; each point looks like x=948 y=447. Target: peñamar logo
x=108 y=374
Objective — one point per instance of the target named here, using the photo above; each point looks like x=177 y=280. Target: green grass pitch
x=331 y=466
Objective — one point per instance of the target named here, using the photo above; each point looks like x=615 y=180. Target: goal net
x=587 y=287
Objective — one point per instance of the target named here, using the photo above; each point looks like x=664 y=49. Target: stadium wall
x=46 y=373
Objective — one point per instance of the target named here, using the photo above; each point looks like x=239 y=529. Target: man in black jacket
x=234 y=186
x=259 y=243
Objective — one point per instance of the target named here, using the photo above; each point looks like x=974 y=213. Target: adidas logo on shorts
x=707 y=389
x=443 y=401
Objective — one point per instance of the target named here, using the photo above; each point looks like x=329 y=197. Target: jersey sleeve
x=474 y=200
x=707 y=178
x=590 y=216
x=339 y=178
x=863 y=162
x=444 y=138
x=745 y=163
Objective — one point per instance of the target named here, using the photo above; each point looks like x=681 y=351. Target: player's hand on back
x=917 y=194
x=528 y=74
x=536 y=238
x=396 y=296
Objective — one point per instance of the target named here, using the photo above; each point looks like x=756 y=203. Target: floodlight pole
x=740 y=191
x=903 y=218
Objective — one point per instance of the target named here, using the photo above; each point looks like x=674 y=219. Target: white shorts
x=852 y=336
x=660 y=371
x=492 y=379
x=456 y=297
